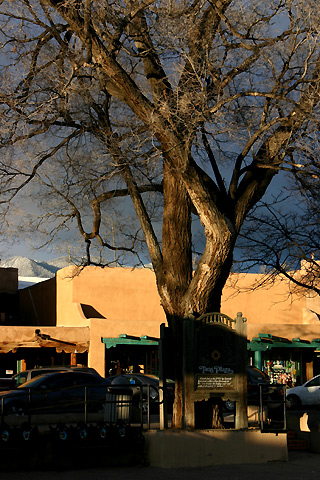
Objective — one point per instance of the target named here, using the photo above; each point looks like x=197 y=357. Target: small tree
x=173 y=96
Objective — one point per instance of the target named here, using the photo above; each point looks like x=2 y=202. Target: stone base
x=202 y=448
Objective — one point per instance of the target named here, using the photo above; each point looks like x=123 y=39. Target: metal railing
x=110 y=404
x=273 y=398
x=136 y=404
x=266 y=409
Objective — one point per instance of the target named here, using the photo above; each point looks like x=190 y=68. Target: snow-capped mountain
x=32 y=268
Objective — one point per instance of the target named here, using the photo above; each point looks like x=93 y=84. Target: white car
x=306 y=394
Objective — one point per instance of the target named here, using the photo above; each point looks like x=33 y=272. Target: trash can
x=118 y=405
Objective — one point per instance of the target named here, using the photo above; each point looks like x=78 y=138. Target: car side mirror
x=153 y=393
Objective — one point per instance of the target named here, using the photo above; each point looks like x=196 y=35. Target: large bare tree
x=199 y=102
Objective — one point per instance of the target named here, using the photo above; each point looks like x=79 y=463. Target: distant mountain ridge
x=32 y=268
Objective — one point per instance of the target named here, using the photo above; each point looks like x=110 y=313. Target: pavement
x=301 y=466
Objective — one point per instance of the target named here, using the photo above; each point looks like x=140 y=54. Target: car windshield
x=35 y=382
x=20 y=378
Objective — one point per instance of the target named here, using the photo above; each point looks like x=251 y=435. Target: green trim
x=266 y=341
x=262 y=343
x=124 y=339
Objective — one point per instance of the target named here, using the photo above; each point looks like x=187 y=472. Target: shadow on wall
x=90 y=312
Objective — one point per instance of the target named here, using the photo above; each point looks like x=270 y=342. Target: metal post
x=162 y=381
x=261 y=406
x=29 y=405
x=241 y=420
x=284 y=408
x=85 y=406
x=148 y=406
x=141 y=405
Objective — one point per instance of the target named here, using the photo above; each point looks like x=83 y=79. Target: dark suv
x=26 y=375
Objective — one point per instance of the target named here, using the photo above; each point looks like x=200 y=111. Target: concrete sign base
x=202 y=448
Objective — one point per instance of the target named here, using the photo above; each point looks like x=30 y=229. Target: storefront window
x=282 y=371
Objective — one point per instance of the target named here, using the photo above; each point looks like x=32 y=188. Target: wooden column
x=73 y=359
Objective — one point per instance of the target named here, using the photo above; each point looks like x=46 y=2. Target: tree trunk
x=176 y=244
x=183 y=292
x=176 y=273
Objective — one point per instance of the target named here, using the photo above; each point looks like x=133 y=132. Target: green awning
x=266 y=341
x=124 y=339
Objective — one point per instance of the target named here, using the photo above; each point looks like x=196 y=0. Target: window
x=315 y=382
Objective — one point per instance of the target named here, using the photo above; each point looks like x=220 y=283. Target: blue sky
x=26 y=246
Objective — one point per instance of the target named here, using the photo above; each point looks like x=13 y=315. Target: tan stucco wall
x=270 y=304
x=121 y=294
x=127 y=298
x=275 y=309
x=69 y=314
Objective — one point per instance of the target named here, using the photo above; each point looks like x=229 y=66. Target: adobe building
x=92 y=316
x=122 y=309
x=110 y=318
x=282 y=323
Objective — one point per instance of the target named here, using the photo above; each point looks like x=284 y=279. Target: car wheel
x=16 y=409
x=229 y=405
x=294 y=401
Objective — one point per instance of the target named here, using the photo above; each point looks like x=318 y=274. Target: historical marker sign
x=216 y=382
x=216 y=354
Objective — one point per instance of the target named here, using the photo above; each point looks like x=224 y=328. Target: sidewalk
x=301 y=466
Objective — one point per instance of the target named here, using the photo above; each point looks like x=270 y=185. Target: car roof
x=70 y=373
x=147 y=377
x=55 y=369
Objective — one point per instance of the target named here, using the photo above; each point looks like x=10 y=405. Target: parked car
x=7 y=383
x=306 y=394
x=59 y=392
x=272 y=395
x=26 y=375
x=138 y=382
